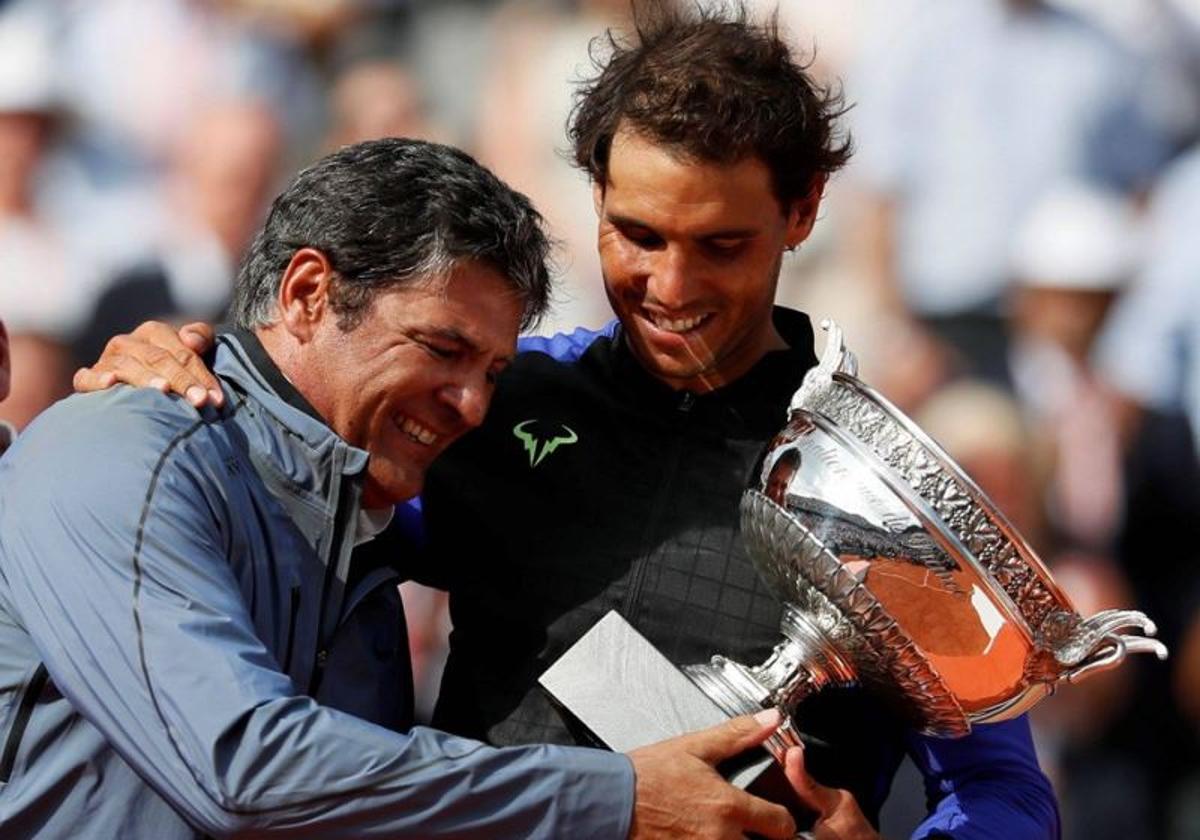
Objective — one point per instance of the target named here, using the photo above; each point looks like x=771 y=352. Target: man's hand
x=679 y=794
x=838 y=814
x=156 y=356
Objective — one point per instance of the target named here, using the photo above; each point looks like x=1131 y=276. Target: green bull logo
x=539 y=449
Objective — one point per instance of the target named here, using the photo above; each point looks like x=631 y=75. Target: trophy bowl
x=898 y=573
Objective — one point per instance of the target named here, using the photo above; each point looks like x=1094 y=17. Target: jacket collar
x=243 y=362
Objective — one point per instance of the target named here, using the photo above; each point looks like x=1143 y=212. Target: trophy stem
x=803 y=663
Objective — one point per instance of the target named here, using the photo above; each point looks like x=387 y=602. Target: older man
x=608 y=473
x=195 y=635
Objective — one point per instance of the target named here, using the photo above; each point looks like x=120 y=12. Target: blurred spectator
x=315 y=22
x=133 y=75
x=967 y=110
x=1072 y=255
x=1150 y=352
x=982 y=428
x=377 y=98
x=1165 y=35
x=41 y=307
x=217 y=186
x=448 y=45
x=541 y=49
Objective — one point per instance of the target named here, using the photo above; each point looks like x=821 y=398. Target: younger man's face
x=691 y=253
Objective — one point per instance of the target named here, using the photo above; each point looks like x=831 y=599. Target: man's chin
x=677 y=373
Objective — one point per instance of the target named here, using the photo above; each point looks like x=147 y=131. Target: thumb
x=734 y=736
x=808 y=790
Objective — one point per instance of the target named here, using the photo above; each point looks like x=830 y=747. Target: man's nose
x=671 y=279
x=469 y=399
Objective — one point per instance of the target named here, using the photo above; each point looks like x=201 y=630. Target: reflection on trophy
x=898 y=573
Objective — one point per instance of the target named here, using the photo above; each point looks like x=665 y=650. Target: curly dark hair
x=390 y=212
x=714 y=86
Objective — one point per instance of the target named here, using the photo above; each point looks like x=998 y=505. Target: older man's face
x=5 y=364
x=418 y=373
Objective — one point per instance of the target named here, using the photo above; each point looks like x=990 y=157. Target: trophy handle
x=1081 y=647
x=834 y=359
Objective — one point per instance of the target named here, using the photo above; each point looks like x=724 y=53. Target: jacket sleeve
x=986 y=786
x=114 y=560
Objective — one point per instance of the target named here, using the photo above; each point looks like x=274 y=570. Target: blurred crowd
x=1013 y=252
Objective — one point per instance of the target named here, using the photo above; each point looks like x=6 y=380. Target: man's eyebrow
x=452 y=335
x=623 y=221
x=726 y=233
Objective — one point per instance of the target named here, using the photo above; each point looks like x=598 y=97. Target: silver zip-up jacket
x=183 y=631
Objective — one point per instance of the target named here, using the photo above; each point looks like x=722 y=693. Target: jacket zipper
x=333 y=555
x=633 y=597
x=29 y=698
x=359 y=596
x=291 y=636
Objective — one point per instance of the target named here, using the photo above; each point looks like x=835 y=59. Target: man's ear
x=5 y=363
x=802 y=214
x=598 y=198
x=304 y=293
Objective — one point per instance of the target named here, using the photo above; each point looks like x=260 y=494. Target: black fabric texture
x=638 y=514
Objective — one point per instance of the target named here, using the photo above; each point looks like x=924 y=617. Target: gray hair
x=392 y=212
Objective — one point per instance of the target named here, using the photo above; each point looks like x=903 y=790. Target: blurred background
x=1014 y=253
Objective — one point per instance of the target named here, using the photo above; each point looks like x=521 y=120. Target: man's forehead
x=648 y=179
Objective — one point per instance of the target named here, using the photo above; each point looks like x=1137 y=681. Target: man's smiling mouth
x=676 y=325
x=417 y=432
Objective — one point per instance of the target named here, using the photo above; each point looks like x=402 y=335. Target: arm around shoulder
x=114 y=565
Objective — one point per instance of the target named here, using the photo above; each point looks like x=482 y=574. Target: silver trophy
x=898 y=573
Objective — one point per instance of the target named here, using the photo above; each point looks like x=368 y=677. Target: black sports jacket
x=592 y=486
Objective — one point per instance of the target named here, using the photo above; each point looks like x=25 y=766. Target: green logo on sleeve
x=536 y=455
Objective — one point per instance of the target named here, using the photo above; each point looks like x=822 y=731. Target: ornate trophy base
x=803 y=663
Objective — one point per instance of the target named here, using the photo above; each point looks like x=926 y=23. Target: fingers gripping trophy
x=898 y=573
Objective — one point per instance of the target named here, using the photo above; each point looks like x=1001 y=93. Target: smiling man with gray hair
x=198 y=634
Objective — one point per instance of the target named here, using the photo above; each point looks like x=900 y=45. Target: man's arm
x=986 y=786
x=114 y=562
x=115 y=565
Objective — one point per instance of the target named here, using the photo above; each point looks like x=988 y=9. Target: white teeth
x=677 y=325
x=418 y=432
